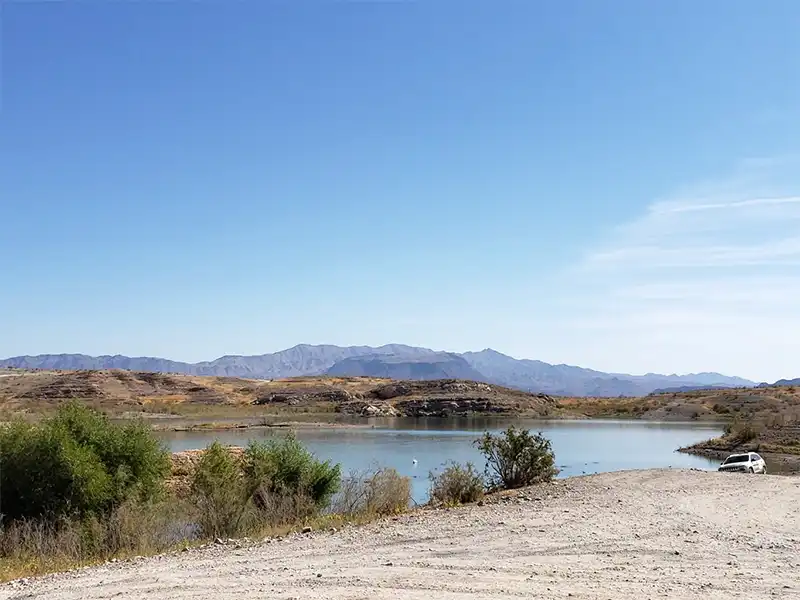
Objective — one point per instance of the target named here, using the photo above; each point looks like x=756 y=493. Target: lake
x=581 y=447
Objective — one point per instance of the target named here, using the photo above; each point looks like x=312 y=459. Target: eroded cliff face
x=437 y=398
x=445 y=398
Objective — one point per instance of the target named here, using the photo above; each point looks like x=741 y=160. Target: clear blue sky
x=610 y=184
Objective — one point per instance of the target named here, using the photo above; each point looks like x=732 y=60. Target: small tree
x=517 y=458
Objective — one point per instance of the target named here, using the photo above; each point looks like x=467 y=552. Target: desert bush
x=379 y=491
x=276 y=511
x=273 y=483
x=388 y=493
x=77 y=463
x=351 y=499
x=517 y=458
x=741 y=431
x=219 y=491
x=456 y=484
x=284 y=467
x=745 y=432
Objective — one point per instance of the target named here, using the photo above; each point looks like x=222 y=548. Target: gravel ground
x=639 y=534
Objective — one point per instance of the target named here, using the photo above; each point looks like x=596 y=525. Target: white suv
x=744 y=463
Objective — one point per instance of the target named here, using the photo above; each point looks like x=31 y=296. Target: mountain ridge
x=405 y=362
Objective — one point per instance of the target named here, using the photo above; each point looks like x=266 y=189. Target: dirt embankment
x=772 y=405
x=779 y=444
x=638 y=534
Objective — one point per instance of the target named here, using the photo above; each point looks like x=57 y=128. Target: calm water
x=581 y=447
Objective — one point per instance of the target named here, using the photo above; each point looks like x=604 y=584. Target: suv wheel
x=751 y=470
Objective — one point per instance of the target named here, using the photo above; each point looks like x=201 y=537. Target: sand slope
x=637 y=534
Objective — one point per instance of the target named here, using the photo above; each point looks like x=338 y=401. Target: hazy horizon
x=456 y=351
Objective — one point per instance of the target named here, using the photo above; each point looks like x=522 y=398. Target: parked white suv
x=744 y=463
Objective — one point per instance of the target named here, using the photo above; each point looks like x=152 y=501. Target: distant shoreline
x=234 y=426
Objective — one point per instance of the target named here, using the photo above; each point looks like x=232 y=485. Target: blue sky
x=613 y=185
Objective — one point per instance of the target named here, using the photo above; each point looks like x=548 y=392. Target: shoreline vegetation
x=81 y=489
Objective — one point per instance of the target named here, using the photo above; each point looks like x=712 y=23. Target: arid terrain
x=636 y=534
x=124 y=392
x=768 y=404
x=128 y=392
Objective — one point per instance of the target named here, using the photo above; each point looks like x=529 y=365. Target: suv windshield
x=737 y=459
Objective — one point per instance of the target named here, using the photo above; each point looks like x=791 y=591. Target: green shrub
x=77 y=463
x=284 y=467
x=517 y=458
x=456 y=485
x=219 y=491
x=273 y=483
x=134 y=458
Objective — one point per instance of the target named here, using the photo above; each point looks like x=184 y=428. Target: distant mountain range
x=398 y=362
x=782 y=382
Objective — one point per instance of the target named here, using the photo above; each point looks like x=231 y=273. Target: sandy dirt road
x=637 y=534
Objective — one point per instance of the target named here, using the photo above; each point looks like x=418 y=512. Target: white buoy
x=414 y=461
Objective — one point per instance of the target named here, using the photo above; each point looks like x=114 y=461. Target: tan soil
x=639 y=534
x=125 y=393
